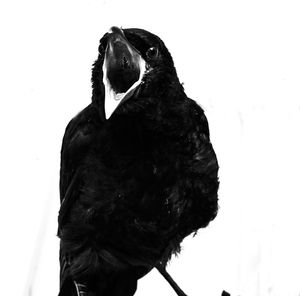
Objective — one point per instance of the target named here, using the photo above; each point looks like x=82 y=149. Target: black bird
x=138 y=172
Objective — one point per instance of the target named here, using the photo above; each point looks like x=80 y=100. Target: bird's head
x=132 y=64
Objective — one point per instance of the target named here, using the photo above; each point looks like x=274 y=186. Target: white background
x=239 y=59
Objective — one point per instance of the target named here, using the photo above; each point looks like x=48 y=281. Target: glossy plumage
x=134 y=186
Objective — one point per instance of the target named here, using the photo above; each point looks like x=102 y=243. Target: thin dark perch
x=169 y=279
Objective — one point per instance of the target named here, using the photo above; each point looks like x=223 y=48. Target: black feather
x=134 y=186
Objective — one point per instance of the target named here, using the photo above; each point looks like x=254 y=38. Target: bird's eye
x=152 y=53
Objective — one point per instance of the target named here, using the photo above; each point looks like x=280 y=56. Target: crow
x=138 y=171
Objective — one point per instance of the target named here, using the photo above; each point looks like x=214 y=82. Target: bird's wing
x=78 y=135
x=200 y=180
x=192 y=199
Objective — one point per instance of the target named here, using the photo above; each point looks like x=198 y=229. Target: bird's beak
x=123 y=70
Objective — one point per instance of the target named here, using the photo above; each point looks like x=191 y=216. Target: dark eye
x=152 y=53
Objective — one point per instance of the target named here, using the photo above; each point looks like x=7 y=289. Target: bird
x=138 y=171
